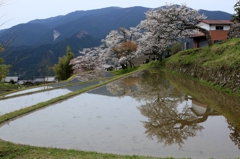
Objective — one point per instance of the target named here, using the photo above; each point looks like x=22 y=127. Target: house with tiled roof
x=8 y=79
x=200 y=109
x=218 y=30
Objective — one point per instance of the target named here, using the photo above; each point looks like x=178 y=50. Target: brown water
x=145 y=114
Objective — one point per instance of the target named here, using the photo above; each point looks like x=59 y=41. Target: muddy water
x=144 y=114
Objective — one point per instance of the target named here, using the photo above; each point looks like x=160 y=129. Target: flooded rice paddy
x=149 y=113
x=16 y=103
x=29 y=91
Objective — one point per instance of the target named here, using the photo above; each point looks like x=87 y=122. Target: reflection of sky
x=13 y=104
x=29 y=90
x=184 y=104
x=111 y=124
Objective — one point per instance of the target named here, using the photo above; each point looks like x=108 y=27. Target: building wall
x=199 y=42
x=204 y=25
x=216 y=36
x=225 y=27
x=220 y=35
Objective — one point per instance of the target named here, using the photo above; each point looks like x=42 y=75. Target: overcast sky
x=14 y=12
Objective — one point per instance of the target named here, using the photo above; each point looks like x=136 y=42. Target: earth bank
x=219 y=64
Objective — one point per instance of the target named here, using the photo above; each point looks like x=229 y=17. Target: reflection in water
x=17 y=103
x=167 y=124
x=124 y=87
x=235 y=135
x=169 y=120
x=145 y=114
x=29 y=90
x=166 y=121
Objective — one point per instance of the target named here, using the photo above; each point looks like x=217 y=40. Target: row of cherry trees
x=162 y=28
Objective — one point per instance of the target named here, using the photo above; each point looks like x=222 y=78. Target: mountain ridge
x=39 y=36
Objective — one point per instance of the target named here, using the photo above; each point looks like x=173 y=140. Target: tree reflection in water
x=235 y=135
x=170 y=121
x=124 y=87
x=169 y=125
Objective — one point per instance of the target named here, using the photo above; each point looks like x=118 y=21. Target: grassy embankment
x=7 y=87
x=9 y=151
x=218 y=55
x=218 y=65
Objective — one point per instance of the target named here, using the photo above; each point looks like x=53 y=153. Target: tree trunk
x=206 y=32
x=131 y=63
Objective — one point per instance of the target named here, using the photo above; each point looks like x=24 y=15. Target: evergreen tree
x=63 y=70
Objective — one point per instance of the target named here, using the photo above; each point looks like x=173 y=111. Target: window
x=219 y=27
x=217 y=41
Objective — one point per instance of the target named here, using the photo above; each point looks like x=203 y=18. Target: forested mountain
x=98 y=23
x=216 y=15
x=24 y=34
x=79 y=29
x=27 y=60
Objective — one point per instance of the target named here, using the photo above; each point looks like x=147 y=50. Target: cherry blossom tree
x=236 y=16
x=165 y=26
x=153 y=36
x=88 y=60
x=124 y=51
x=120 y=46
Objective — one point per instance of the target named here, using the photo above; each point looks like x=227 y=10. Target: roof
x=9 y=78
x=200 y=34
x=50 y=79
x=217 y=22
x=39 y=80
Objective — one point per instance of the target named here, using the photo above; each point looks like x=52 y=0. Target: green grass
x=218 y=55
x=124 y=71
x=9 y=151
x=151 y=64
x=7 y=87
x=219 y=64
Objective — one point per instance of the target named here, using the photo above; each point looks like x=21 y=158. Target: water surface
x=144 y=114
x=29 y=91
x=16 y=103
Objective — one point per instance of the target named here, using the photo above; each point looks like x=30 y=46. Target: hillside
x=38 y=38
x=24 y=34
x=97 y=22
x=29 y=59
x=218 y=64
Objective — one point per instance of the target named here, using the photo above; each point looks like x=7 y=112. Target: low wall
x=225 y=77
x=234 y=31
